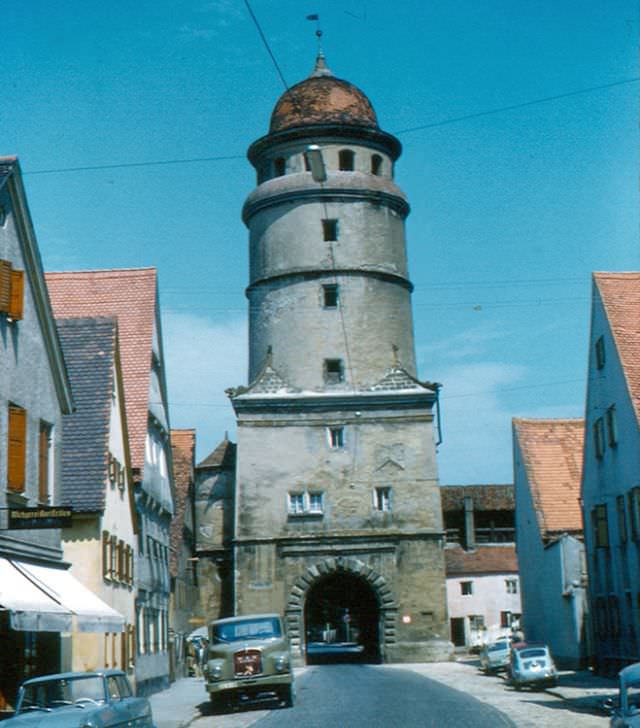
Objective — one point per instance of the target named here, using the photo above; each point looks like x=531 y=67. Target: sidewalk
x=176 y=707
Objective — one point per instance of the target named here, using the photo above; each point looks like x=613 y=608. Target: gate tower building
x=337 y=517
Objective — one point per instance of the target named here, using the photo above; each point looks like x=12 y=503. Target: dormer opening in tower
x=346 y=160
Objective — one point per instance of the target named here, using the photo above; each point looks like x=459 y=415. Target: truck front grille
x=247 y=663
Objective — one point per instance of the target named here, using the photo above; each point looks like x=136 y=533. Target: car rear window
x=534 y=652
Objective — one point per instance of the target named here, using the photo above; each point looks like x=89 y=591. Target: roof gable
x=131 y=296
x=552 y=457
x=620 y=295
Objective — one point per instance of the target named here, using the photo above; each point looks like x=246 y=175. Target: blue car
x=101 y=699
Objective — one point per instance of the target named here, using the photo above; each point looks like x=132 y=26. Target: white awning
x=30 y=609
x=91 y=613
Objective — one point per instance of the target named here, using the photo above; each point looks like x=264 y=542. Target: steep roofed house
x=39 y=598
x=131 y=296
x=96 y=479
x=184 y=605
x=547 y=456
x=483 y=592
x=611 y=480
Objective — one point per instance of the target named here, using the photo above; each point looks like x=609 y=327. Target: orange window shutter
x=17 y=449
x=5 y=286
x=16 y=307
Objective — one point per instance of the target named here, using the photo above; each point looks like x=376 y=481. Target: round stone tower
x=337 y=517
x=329 y=292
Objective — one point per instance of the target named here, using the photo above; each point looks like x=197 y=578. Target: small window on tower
x=333 y=371
x=330 y=230
x=336 y=437
x=330 y=296
x=278 y=167
x=346 y=159
x=376 y=164
x=382 y=499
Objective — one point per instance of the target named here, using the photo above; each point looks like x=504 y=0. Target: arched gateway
x=347 y=597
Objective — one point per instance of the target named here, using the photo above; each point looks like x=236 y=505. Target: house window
x=106 y=555
x=330 y=230
x=336 y=437
x=17 y=449
x=612 y=426
x=598 y=437
x=622 y=519
x=376 y=164
x=600 y=526
x=333 y=371
x=316 y=503
x=600 y=352
x=382 y=499
x=278 y=167
x=296 y=503
x=476 y=621
x=511 y=585
x=505 y=619
x=44 y=448
x=466 y=588
x=330 y=296
x=346 y=159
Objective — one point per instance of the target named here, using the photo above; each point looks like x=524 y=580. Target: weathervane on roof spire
x=321 y=67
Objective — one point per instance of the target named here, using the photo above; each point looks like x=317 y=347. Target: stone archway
x=335 y=567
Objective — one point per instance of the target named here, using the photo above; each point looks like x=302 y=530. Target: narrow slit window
x=336 y=437
x=330 y=230
x=333 y=371
x=346 y=160
x=376 y=164
x=278 y=167
x=330 y=296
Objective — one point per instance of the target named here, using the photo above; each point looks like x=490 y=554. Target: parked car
x=495 y=656
x=531 y=665
x=248 y=660
x=101 y=699
x=626 y=713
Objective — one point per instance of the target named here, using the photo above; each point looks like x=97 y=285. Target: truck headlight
x=282 y=663
x=214 y=670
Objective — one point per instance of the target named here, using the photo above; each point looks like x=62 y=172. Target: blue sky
x=511 y=211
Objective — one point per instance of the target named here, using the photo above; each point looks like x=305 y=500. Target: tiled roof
x=88 y=345
x=483 y=560
x=552 y=457
x=223 y=457
x=620 y=293
x=485 y=497
x=183 y=446
x=130 y=295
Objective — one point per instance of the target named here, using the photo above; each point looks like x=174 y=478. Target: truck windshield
x=247 y=629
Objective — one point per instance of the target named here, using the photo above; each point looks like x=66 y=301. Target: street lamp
x=316 y=162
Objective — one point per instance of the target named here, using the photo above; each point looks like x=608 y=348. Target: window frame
x=295 y=497
x=598 y=438
x=314 y=498
x=330 y=295
x=44 y=462
x=466 y=588
x=600 y=524
x=600 y=351
x=346 y=160
x=330 y=229
x=333 y=371
x=611 y=426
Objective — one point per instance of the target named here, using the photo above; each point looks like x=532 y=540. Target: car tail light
x=247 y=663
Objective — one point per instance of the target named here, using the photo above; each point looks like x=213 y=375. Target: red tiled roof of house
x=130 y=295
x=552 y=456
x=620 y=294
x=183 y=446
x=483 y=560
